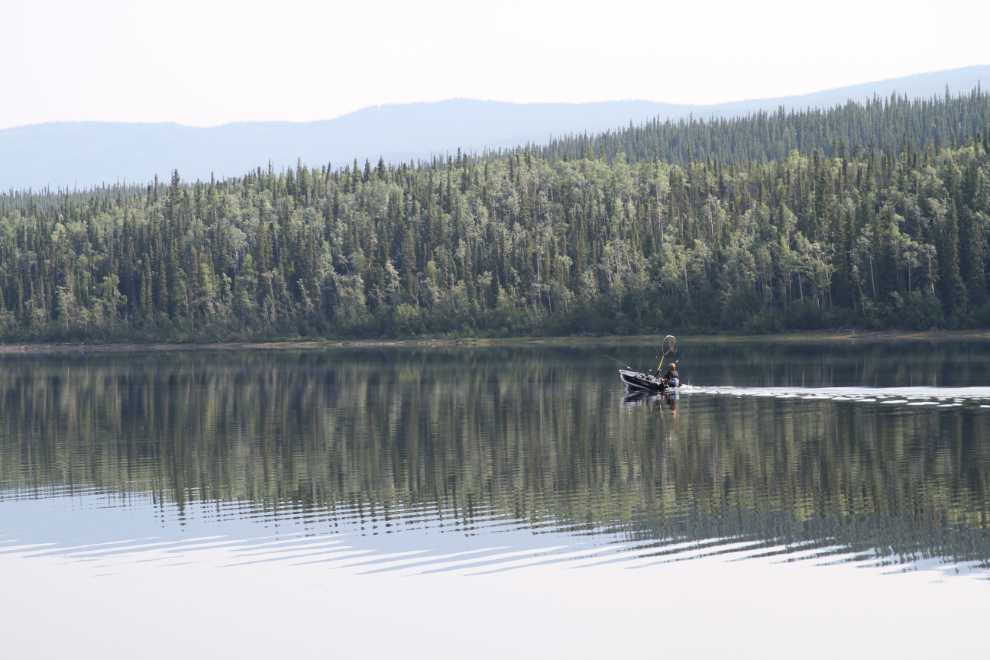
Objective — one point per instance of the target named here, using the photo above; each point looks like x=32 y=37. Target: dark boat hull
x=641 y=381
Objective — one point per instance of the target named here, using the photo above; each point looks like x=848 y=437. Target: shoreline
x=325 y=344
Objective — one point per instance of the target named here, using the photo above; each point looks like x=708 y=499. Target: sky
x=206 y=63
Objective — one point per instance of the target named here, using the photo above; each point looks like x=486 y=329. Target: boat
x=637 y=380
x=640 y=381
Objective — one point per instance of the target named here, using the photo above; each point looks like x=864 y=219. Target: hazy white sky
x=204 y=63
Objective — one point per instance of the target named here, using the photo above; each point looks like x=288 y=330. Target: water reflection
x=486 y=455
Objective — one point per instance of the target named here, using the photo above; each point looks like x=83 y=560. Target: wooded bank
x=568 y=238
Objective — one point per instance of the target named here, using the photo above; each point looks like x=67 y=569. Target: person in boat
x=672 y=378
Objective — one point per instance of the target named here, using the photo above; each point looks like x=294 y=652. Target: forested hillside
x=841 y=131
x=880 y=222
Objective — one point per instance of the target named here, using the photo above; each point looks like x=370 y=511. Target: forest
x=870 y=216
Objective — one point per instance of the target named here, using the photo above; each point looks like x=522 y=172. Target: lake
x=423 y=484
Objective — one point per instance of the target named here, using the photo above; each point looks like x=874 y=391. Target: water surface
x=492 y=458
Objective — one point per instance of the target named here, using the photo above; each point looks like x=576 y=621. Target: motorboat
x=640 y=381
x=637 y=380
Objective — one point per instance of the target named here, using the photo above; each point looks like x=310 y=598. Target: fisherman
x=671 y=377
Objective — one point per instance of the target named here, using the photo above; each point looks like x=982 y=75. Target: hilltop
x=84 y=154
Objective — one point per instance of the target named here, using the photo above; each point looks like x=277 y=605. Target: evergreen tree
x=749 y=225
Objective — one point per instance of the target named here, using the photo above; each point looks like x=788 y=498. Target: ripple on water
x=482 y=467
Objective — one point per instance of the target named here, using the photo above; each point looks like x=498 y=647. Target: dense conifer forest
x=863 y=216
x=841 y=131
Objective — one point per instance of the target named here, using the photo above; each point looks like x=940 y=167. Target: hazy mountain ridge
x=84 y=154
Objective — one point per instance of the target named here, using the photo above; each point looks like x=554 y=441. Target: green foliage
x=842 y=131
x=537 y=242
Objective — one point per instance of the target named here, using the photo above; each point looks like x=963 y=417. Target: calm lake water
x=489 y=459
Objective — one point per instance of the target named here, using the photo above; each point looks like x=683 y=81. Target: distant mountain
x=85 y=154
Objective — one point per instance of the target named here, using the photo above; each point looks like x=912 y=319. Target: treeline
x=842 y=131
x=877 y=237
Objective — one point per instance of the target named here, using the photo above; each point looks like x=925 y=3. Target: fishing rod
x=617 y=360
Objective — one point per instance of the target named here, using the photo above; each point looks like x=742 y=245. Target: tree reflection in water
x=541 y=438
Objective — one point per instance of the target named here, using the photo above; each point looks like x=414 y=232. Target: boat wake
x=944 y=397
